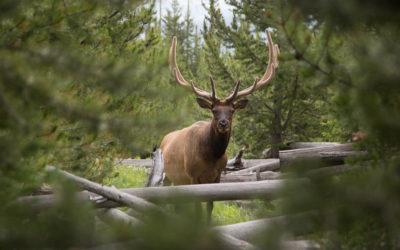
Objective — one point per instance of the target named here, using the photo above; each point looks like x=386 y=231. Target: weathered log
x=231 y=242
x=248 y=231
x=301 y=145
x=156 y=175
x=116 y=215
x=266 y=165
x=246 y=163
x=267 y=175
x=340 y=156
x=237 y=160
x=109 y=193
x=292 y=156
x=186 y=193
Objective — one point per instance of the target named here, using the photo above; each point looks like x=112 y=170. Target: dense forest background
x=83 y=83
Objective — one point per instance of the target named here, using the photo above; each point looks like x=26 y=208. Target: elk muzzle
x=223 y=126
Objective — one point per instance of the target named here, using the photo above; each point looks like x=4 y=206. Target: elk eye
x=214 y=111
x=232 y=111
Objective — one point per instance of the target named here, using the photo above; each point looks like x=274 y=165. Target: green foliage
x=81 y=83
x=74 y=86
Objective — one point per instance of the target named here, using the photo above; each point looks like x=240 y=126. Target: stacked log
x=256 y=180
x=288 y=157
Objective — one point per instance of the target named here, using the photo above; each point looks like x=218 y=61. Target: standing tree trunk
x=276 y=137
x=276 y=125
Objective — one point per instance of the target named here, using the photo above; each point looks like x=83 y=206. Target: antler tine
x=179 y=78
x=214 y=95
x=232 y=96
x=201 y=93
x=269 y=73
x=174 y=65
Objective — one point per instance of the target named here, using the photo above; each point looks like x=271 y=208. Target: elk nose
x=223 y=124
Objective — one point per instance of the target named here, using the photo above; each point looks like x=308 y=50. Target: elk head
x=223 y=109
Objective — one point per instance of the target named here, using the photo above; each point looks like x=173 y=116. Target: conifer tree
x=172 y=24
x=81 y=83
x=279 y=112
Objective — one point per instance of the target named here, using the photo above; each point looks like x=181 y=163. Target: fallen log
x=248 y=231
x=156 y=176
x=231 y=242
x=265 y=165
x=301 y=145
x=116 y=215
x=109 y=193
x=340 y=156
x=288 y=157
x=268 y=189
x=245 y=163
x=267 y=175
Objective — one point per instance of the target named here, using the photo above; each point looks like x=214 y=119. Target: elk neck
x=217 y=142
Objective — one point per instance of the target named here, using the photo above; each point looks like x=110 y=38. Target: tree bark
x=231 y=242
x=340 y=156
x=268 y=175
x=300 y=145
x=248 y=231
x=116 y=215
x=276 y=124
x=288 y=157
x=114 y=194
x=265 y=165
x=156 y=175
x=276 y=135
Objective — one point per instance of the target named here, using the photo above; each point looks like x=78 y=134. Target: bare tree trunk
x=276 y=141
x=276 y=125
x=276 y=134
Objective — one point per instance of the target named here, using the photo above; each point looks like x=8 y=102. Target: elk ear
x=203 y=103
x=240 y=104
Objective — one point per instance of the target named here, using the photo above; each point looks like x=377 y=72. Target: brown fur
x=196 y=154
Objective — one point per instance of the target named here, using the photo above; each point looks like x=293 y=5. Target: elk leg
x=197 y=204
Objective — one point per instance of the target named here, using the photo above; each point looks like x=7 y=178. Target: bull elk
x=196 y=154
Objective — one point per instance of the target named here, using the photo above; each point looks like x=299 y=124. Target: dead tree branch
x=109 y=193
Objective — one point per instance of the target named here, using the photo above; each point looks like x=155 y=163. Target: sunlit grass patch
x=230 y=212
x=124 y=176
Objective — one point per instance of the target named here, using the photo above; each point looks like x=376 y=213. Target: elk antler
x=269 y=73
x=179 y=78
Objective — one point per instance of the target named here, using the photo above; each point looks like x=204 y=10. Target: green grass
x=225 y=212
x=124 y=176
